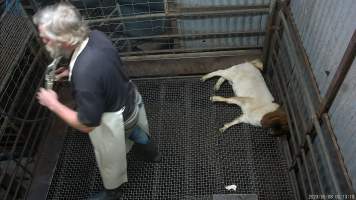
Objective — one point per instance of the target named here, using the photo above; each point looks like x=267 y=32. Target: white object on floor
x=231 y=187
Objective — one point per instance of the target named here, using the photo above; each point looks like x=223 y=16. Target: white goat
x=252 y=95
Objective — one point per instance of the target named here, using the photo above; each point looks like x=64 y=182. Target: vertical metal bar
x=287 y=101
x=5 y=184
x=332 y=166
x=166 y=6
x=291 y=173
x=273 y=41
x=30 y=133
x=299 y=48
x=269 y=30
x=306 y=168
x=47 y=159
x=293 y=49
x=295 y=145
x=345 y=183
x=308 y=139
x=15 y=61
x=314 y=163
x=339 y=76
x=324 y=151
x=315 y=121
x=297 y=106
x=38 y=130
x=16 y=99
x=290 y=159
x=301 y=176
x=284 y=139
x=124 y=26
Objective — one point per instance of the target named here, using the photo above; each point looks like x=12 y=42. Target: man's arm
x=49 y=99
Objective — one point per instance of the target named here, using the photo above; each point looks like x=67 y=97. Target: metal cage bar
x=340 y=75
x=23 y=122
x=151 y=27
x=311 y=147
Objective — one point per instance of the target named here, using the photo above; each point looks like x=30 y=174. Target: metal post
x=339 y=76
x=269 y=31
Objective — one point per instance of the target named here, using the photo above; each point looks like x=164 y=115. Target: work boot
x=147 y=152
x=114 y=194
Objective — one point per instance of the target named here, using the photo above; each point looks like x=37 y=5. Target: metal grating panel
x=206 y=25
x=15 y=30
x=23 y=122
x=197 y=161
x=226 y=23
x=147 y=27
x=235 y=197
x=201 y=3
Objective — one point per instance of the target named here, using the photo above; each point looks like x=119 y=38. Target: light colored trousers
x=111 y=143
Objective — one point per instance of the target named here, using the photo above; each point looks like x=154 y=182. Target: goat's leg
x=212 y=74
x=220 y=99
x=238 y=120
x=231 y=100
x=218 y=83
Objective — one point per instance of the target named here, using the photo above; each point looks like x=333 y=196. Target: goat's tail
x=257 y=63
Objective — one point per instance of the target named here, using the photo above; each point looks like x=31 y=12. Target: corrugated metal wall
x=200 y=3
x=326 y=27
x=343 y=119
x=223 y=24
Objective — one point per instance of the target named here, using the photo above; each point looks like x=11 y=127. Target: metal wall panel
x=145 y=27
x=23 y=121
x=326 y=27
x=343 y=119
x=223 y=24
x=200 y=3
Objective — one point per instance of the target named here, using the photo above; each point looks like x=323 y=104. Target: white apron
x=110 y=147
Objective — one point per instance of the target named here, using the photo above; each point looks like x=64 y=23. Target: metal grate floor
x=198 y=161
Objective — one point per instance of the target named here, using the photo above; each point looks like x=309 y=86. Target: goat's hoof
x=202 y=79
x=221 y=130
x=216 y=88
x=212 y=98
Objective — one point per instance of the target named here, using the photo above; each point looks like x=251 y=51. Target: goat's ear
x=270 y=120
x=276 y=120
x=257 y=63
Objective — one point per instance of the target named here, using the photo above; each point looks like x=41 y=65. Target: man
x=108 y=105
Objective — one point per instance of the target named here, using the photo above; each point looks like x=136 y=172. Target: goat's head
x=277 y=120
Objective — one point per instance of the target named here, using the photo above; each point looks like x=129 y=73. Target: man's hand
x=61 y=72
x=48 y=98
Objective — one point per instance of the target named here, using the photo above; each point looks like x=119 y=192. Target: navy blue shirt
x=99 y=81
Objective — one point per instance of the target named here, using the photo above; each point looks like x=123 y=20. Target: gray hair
x=62 y=22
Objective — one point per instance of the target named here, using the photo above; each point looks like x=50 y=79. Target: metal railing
x=23 y=122
x=315 y=161
x=174 y=27
x=166 y=27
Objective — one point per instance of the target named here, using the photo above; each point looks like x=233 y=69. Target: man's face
x=55 y=48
